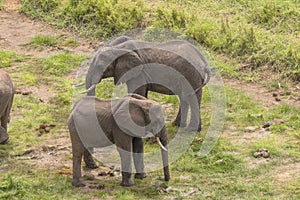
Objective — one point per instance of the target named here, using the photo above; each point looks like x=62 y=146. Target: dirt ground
x=17 y=30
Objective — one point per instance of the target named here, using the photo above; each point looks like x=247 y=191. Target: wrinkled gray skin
x=128 y=144
x=123 y=54
x=6 y=100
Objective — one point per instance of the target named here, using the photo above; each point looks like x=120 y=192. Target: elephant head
x=102 y=66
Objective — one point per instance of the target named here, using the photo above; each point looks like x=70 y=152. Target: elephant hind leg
x=3 y=136
x=181 y=118
x=77 y=152
x=88 y=159
x=195 y=123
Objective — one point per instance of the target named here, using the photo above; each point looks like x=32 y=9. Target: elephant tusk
x=79 y=84
x=91 y=88
x=160 y=144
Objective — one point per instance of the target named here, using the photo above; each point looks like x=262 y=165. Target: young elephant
x=100 y=123
x=6 y=100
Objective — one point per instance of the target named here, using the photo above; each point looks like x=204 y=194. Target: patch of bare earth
x=16 y=30
x=268 y=98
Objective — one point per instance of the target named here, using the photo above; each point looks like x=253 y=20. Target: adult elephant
x=6 y=100
x=173 y=67
x=100 y=123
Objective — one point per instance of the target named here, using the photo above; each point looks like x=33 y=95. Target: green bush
x=39 y=8
x=282 y=16
x=238 y=29
x=102 y=18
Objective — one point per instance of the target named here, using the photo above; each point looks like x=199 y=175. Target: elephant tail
x=207 y=75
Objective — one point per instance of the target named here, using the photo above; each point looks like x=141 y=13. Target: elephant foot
x=89 y=161
x=126 y=181
x=78 y=183
x=193 y=128
x=4 y=138
x=91 y=165
x=140 y=175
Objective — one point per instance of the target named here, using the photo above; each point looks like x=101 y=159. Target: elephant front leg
x=124 y=147
x=3 y=136
x=126 y=167
x=138 y=158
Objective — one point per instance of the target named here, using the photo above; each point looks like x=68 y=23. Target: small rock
x=265 y=154
x=277 y=99
x=256 y=115
x=275 y=95
x=261 y=153
x=220 y=161
x=100 y=187
x=256 y=154
x=267 y=125
x=278 y=121
x=48 y=148
x=250 y=128
x=47 y=129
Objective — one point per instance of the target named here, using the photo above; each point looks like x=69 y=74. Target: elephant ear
x=138 y=116
x=128 y=66
x=129 y=117
x=103 y=58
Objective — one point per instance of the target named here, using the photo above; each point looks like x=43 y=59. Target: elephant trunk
x=164 y=153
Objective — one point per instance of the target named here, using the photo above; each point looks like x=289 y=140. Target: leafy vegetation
x=237 y=29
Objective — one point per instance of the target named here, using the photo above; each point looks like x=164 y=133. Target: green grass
x=222 y=174
x=61 y=64
x=44 y=41
x=241 y=36
x=7 y=58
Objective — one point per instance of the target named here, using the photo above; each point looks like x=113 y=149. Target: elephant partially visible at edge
x=100 y=123
x=6 y=100
x=124 y=54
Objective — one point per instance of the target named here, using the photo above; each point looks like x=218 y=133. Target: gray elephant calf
x=6 y=100
x=100 y=123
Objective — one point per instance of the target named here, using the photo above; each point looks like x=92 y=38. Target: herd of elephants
x=174 y=68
